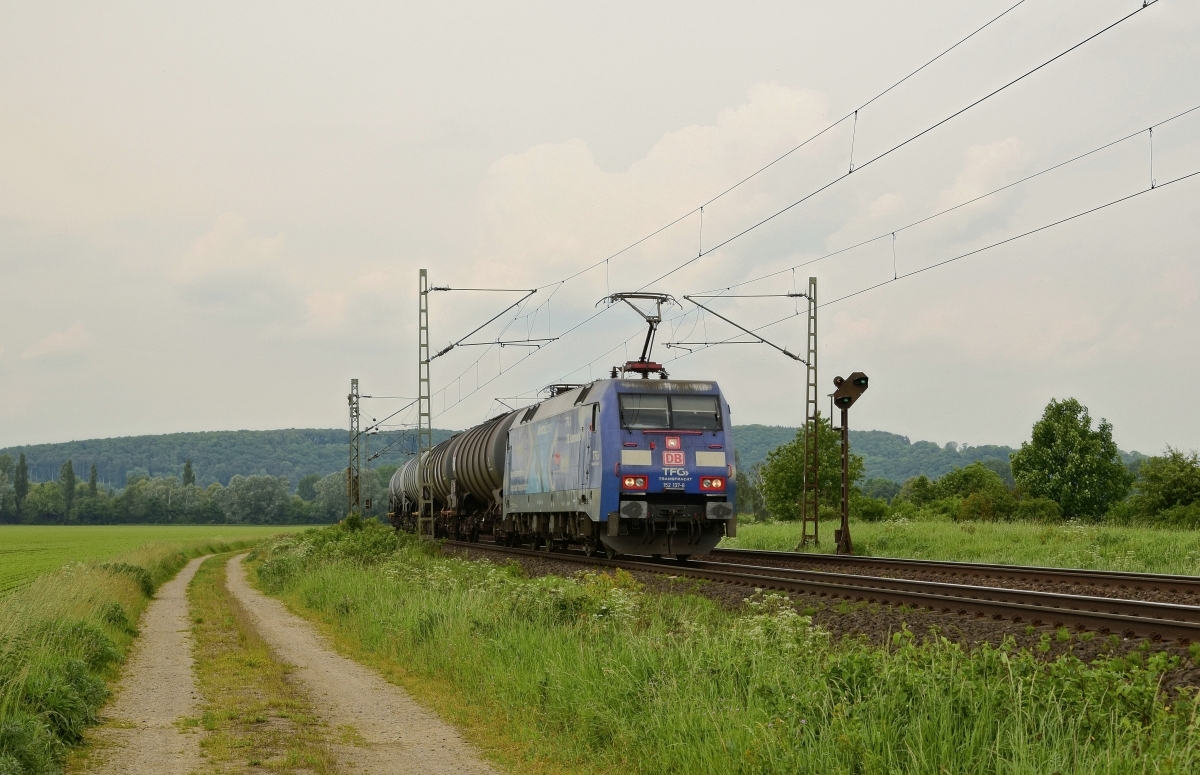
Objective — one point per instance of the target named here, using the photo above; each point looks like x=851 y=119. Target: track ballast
x=1127 y=618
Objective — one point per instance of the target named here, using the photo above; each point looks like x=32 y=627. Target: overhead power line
x=960 y=205
x=1148 y=189
x=721 y=194
x=785 y=154
x=1098 y=208
x=899 y=145
x=702 y=252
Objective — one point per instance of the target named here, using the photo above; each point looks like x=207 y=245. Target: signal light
x=635 y=482
x=849 y=390
x=712 y=483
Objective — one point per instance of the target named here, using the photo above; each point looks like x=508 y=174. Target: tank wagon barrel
x=469 y=465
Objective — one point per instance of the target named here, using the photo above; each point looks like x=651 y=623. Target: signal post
x=848 y=391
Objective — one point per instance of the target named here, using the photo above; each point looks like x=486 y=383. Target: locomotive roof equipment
x=643 y=365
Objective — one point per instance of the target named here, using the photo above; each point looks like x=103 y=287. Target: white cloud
x=551 y=209
x=1179 y=283
x=326 y=310
x=229 y=248
x=72 y=340
x=985 y=167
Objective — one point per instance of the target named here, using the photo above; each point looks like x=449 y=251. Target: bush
x=881 y=488
x=1038 y=510
x=869 y=509
x=918 y=490
x=1167 y=483
x=1179 y=516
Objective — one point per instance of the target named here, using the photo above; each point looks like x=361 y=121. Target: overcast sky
x=212 y=215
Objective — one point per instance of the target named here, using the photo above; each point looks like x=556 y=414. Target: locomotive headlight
x=712 y=483
x=634 y=482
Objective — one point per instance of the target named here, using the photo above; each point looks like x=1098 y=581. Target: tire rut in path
x=399 y=736
x=156 y=689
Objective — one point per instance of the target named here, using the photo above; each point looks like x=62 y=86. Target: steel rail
x=1017 y=606
x=1160 y=582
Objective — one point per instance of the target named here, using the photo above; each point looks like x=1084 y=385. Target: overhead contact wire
x=901 y=144
x=960 y=205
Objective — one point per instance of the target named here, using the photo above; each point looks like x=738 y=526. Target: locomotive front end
x=670 y=482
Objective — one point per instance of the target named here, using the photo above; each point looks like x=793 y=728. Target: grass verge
x=256 y=717
x=62 y=638
x=1069 y=545
x=592 y=673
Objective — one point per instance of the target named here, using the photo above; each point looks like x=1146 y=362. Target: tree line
x=258 y=499
x=217 y=456
x=1067 y=470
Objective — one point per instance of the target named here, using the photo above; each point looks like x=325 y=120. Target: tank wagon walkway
x=401 y=736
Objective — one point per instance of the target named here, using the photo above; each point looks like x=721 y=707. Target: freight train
x=617 y=466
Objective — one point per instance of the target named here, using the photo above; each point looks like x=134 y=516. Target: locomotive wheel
x=547 y=545
x=589 y=548
x=610 y=552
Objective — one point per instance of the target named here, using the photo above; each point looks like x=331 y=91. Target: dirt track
x=156 y=690
x=398 y=736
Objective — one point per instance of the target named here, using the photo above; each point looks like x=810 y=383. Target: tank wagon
x=620 y=466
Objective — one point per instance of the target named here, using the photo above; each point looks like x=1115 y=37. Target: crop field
x=27 y=551
x=1068 y=545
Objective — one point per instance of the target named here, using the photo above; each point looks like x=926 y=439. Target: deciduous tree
x=21 y=483
x=307 y=488
x=66 y=480
x=783 y=474
x=1071 y=463
x=1167 y=481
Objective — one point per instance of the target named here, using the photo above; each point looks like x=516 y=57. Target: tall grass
x=61 y=637
x=593 y=673
x=1067 y=545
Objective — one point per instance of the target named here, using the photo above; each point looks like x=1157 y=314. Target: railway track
x=1127 y=618
x=1116 y=580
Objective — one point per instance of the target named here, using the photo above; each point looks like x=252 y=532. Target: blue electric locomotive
x=623 y=466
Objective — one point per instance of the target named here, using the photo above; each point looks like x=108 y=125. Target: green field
x=1067 y=545
x=596 y=673
x=27 y=551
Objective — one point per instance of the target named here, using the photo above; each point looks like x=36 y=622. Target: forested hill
x=886 y=455
x=216 y=455
x=219 y=455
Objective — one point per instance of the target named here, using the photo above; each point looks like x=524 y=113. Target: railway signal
x=848 y=391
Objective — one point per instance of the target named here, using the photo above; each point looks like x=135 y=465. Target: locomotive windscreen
x=690 y=413
x=695 y=413
x=645 y=411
